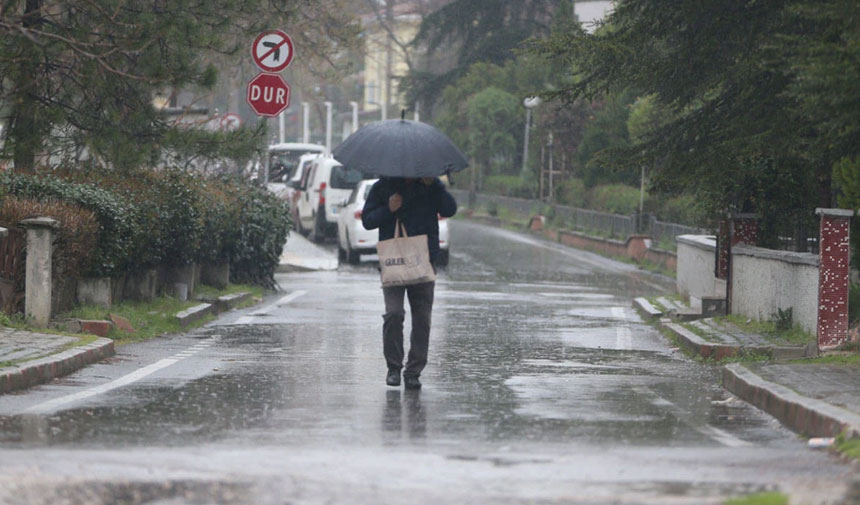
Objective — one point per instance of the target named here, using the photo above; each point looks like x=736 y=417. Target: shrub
x=264 y=222
x=111 y=253
x=509 y=185
x=78 y=230
x=683 y=209
x=571 y=193
x=614 y=198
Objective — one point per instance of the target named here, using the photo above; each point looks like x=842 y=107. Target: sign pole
x=328 y=114
x=306 y=122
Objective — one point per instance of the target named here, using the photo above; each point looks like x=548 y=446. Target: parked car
x=353 y=240
x=293 y=189
x=324 y=189
x=283 y=162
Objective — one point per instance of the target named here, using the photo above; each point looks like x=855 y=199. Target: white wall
x=764 y=280
x=695 y=270
x=589 y=11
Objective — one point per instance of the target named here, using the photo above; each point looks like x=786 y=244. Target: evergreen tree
x=487 y=31
x=753 y=89
x=83 y=73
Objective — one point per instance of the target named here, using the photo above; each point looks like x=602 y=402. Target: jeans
x=421 y=306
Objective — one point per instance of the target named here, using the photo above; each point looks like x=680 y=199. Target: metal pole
x=550 y=167
x=354 y=116
x=541 y=171
x=328 y=118
x=417 y=111
x=282 y=128
x=306 y=122
x=525 y=170
x=641 y=199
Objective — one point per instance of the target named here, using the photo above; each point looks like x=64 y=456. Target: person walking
x=417 y=204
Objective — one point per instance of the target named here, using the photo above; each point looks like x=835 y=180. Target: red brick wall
x=833 y=277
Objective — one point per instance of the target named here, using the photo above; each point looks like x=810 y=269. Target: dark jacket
x=421 y=205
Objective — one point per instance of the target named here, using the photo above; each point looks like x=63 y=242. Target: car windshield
x=344 y=178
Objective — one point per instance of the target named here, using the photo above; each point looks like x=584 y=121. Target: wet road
x=543 y=387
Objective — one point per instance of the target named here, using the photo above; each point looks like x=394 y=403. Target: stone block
x=215 y=274
x=96 y=327
x=68 y=326
x=141 y=286
x=712 y=307
x=95 y=291
x=537 y=223
x=121 y=323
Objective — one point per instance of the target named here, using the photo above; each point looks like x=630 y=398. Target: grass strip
x=769 y=498
x=157 y=317
x=793 y=336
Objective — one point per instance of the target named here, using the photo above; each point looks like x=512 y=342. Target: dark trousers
x=421 y=306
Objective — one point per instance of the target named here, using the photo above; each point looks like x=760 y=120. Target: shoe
x=411 y=382
x=393 y=377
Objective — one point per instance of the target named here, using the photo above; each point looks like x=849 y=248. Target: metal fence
x=590 y=221
x=595 y=222
x=665 y=233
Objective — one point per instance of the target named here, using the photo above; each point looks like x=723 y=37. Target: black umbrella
x=400 y=148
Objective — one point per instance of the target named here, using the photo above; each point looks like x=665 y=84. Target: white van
x=324 y=189
x=283 y=163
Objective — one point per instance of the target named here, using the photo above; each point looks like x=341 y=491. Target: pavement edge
x=43 y=370
x=807 y=416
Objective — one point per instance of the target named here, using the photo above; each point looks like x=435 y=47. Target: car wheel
x=353 y=257
x=318 y=228
x=442 y=259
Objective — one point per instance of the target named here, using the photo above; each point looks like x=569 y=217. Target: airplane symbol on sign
x=277 y=49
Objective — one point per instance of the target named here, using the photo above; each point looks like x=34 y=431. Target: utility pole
x=551 y=149
x=389 y=17
x=354 y=106
x=306 y=122
x=328 y=118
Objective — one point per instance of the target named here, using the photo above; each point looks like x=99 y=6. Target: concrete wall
x=764 y=280
x=695 y=271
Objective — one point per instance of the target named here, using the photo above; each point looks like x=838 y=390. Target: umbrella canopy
x=400 y=148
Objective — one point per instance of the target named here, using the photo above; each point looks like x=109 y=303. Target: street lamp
x=530 y=102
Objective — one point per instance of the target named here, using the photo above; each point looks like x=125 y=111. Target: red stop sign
x=268 y=94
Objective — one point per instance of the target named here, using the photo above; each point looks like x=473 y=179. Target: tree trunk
x=25 y=130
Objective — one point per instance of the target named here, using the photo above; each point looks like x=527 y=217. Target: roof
x=296 y=146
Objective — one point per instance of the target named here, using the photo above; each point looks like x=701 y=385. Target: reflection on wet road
x=543 y=387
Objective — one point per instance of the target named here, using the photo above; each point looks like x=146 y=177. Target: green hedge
x=168 y=217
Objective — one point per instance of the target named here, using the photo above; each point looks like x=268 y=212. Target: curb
x=646 y=310
x=226 y=303
x=711 y=350
x=804 y=415
x=43 y=370
x=195 y=313
x=229 y=302
x=694 y=343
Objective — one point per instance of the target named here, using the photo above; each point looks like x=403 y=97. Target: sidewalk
x=814 y=399
x=713 y=338
x=28 y=358
x=302 y=255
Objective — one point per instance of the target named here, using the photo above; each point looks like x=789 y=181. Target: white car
x=324 y=189
x=353 y=240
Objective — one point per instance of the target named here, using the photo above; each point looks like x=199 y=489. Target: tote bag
x=404 y=260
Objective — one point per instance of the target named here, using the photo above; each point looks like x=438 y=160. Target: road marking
x=623 y=335
x=721 y=436
x=125 y=380
x=250 y=318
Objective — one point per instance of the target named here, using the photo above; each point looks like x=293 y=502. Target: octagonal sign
x=268 y=94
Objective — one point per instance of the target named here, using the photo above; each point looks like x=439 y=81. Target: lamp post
x=354 y=106
x=529 y=102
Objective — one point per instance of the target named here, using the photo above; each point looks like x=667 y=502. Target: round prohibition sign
x=272 y=51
